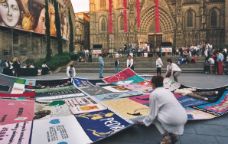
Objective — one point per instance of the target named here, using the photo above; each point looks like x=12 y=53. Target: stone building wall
x=173 y=22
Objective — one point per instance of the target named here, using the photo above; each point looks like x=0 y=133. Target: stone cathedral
x=182 y=22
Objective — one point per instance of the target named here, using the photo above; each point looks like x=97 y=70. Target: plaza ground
x=197 y=132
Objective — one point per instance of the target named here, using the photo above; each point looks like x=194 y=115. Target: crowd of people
x=16 y=68
x=215 y=59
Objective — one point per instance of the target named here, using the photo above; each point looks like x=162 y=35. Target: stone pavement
x=197 y=132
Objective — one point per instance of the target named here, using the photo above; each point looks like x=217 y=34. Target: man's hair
x=157 y=81
x=169 y=60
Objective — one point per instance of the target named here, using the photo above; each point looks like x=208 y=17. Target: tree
x=47 y=31
x=58 y=27
x=71 y=44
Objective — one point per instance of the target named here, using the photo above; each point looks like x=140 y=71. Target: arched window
x=121 y=23
x=190 y=18
x=102 y=4
x=213 y=18
x=119 y=3
x=103 y=24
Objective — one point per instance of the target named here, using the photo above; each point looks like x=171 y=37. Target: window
x=103 y=24
x=102 y=4
x=190 y=18
x=119 y=3
x=15 y=38
x=121 y=23
x=213 y=18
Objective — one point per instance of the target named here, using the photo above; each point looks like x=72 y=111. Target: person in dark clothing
x=16 y=67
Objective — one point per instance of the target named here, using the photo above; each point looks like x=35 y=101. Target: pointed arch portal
x=163 y=23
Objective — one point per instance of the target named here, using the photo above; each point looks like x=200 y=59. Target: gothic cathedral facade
x=182 y=22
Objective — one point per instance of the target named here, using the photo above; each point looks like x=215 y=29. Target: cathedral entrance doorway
x=154 y=40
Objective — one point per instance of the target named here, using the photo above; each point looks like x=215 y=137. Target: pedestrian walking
x=101 y=65
x=173 y=70
x=219 y=59
x=166 y=113
x=71 y=72
x=159 y=64
x=16 y=67
x=117 y=65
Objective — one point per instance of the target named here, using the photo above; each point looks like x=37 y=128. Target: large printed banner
x=126 y=108
x=4 y=88
x=29 y=15
x=83 y=105
x=130 y=80
x=51 y=109
x=142 y=86
x=217 y=108
x=41 y=84
x=102 y=124
x=123 y=75
x=13 y=111
x=58 y=130
x=58 y=93
x=6 y=80
x=187 y=101
x=29 y=94
x=18 y=88
x=117 y=89
x=94 y=90
x=110 y=96
x=194 y=114
x=18 y=133
x=142 y=99
x=79 y=82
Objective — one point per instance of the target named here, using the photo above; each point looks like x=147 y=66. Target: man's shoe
x=173 y=137
x=166 y=139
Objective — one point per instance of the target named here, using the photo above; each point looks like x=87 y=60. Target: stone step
x=146 y=64
x=138 y=70
x=124 y=58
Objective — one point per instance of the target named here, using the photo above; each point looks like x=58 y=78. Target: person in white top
x=159 y=64
x=130 y=61
x=166 y=113
x=71 y=71
x=173 y=70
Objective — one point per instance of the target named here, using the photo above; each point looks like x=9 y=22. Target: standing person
x=117 y=63
x=16 y=67
x=101 y=65
x=173 y=70
x=166 y=113
x=130 y=61
x=1 y=66
x=219 y=59
x=71 y=72
x=212 y=64
x=159 y=64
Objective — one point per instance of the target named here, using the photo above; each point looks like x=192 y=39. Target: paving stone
x=214 y=130
x=222 y=140
x=222 y=121
x=197 y=139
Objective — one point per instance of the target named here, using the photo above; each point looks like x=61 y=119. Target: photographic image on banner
x=29 y=15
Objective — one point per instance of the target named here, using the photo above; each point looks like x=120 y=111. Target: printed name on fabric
x=115 y=126
x=17 y=133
